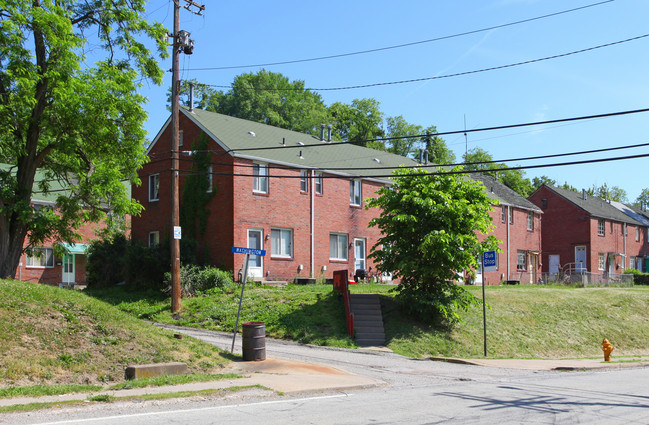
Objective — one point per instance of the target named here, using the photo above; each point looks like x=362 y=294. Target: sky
x=597 y=81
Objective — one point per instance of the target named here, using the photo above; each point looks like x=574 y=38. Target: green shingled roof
x=249 y=139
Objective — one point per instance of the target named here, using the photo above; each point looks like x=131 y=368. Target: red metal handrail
x=341 y=284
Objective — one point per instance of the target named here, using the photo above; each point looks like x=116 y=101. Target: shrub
x=195 y=279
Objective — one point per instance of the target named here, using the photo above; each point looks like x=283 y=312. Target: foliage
x=431 y=227
x=543 y=180
x=116 y=260
x=359 y=122
x=478 y=159
x=78 y=122
x=417 y=138
x=438 y=152
x=612 y=193
x=195 y=279
x=643 y=199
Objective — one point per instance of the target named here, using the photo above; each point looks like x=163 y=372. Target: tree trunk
x=11 y=247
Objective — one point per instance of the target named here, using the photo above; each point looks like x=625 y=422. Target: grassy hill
x=56 y=336
x=522 y=322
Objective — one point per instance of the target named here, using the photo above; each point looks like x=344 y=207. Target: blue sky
x=609 y=79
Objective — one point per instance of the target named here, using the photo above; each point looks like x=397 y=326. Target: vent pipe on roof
x=329 y=128
x=425 y=157
x=421 y=156
x=191 y=96
x=583 y=194
x=322 y=129
x=283 y=141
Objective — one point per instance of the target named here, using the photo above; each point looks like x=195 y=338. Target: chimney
x=425 y=157
x=191 y=96
x=322 y=129
x=421 y=156
x=329 y=128
x=583 y=194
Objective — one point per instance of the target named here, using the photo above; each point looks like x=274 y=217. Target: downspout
x=312 y=212
x=509 y=215
x=624 y=239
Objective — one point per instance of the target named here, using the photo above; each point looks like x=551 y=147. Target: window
x=637 y=234
x=154 y=239
x=530 y=221
x=180 y=137
x=43 y=208
x=544 y=203
x=511 y=215
x=338 y=246
x=318 y=183
x=260 y=178
x=521 y=260
x=210 y=180
x=503 y=214
x=40 y=257
x=632 y=263
x=611 y=227
x=601 y=261
x=601 y=227
x=355 y=192
x=281 y=243
x=154 y=187
x=304 y=181
x=647 y=234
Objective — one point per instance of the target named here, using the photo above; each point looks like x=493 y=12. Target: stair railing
x=341 y=284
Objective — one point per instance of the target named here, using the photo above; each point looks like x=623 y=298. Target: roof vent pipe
x=322 y=129
x=421 y=156
x=583 y=194
x=283 y=141
x=329 y=128
x=191 y=96
x=425 y=157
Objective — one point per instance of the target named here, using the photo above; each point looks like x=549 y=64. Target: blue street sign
x=251 y=251
x=490 y=261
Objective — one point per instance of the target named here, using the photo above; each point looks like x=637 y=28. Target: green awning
x=75 y=248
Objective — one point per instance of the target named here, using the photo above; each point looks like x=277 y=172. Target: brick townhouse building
x=518 y=227
x=297 y=196
x=588 y=235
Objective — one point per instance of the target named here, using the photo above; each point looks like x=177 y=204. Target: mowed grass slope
x=56 y=336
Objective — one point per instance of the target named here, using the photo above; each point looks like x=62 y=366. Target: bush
x=641 y=279
x=195 y=279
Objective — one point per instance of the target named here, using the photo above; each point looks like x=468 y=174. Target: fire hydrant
x=607 y=347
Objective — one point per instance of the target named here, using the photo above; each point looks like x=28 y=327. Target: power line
x=398 y=46
x=439 y=77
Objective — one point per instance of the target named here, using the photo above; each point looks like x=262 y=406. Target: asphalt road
x=415 y=392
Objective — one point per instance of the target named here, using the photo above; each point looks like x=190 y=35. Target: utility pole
x=181 y=41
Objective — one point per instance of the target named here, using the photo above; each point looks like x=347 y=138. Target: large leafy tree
x=478 y=159
x=416 y=138
x=614 y=193
x=431 y=231
x=77 y=122
x=642 y=199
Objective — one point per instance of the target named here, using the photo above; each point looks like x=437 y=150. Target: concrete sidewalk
x=290 y=377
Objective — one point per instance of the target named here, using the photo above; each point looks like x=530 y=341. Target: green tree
x=399 y=127
x=543 y=180
x=358 y=122
x=642 y=199
x=438 y=152
x=478 y=159
x=79 y=123
x=613 y=193
x=430 y=232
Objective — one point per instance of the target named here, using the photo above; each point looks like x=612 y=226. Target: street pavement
x=291 y=376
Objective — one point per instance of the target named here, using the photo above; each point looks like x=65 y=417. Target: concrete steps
x=368 y=320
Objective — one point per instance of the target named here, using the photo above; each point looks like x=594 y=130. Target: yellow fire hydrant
x=607 y=347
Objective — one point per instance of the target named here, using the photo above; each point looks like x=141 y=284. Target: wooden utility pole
x=187 y=46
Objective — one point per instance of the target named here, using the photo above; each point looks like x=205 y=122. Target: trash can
x=253 y=341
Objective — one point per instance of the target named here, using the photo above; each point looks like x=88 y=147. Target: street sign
x=490 y=261
x=178 y=232
x=251 y=251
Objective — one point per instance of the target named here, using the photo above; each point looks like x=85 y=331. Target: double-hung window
x=511 y=215
x=281 y=243
x=601 y=261
x=601 y=227
x=154 y=187
x=530 y=221
x=338 y=249
x=40 y=257
x=318 y=183
x=355 y=192
x=154 y=239
x=260 y=178
x=210 y=179
x=503 y=213
x=304 y=181
x=521 y=260
x=637 y=234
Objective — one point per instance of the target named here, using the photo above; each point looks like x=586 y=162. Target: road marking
x=168 y=412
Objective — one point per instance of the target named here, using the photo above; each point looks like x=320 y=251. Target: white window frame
x=318 y=183
x=278 y=237
x=601 y=261
x=210 y=180
x=355 y=192
x=45 y=258
x=260 y=177
x=521 y=255
x=601 y=227
x=511 y=215
x=637 y=233
x=338 y=246
x=154 y=239
x=304 y=181
x=154 y=187
x=530 y=221
x=503 y=213
x=180 y=138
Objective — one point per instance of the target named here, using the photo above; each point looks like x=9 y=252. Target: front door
x=359 y=254
x=580 y=259
x=611 y=265
x=554 y=266
x=67 y=275
x=256 y=263
x=533 y=261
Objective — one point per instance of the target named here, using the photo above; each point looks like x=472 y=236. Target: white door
x=359 y=254
x=580 y=259
x=611 y=265
x=554 y=266
x=256 y=263
x=478 y=271
x=67 y=275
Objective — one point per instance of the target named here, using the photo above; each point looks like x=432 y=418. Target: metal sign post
x=244 y=277
x=489 y=264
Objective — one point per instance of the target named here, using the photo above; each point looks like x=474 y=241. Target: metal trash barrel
x=253 y=341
